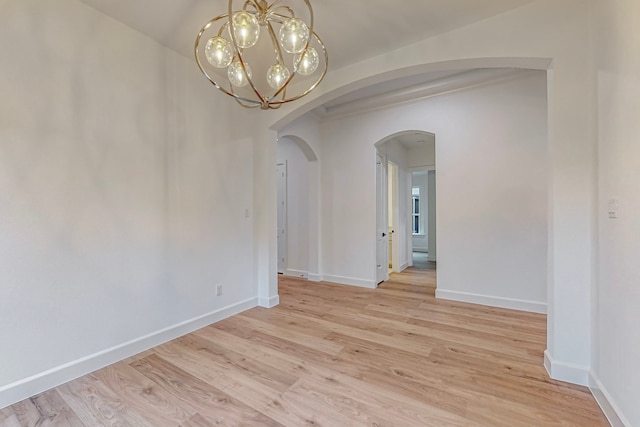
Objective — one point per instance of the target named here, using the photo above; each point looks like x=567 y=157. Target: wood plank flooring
x=332 y=355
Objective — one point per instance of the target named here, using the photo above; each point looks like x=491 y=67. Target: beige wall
x=615 y=374
x=123 y=191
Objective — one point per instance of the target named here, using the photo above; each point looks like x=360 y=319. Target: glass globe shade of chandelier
x=264 y=54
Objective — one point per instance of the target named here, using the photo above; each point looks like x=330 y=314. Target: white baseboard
x=547 y=362
x=610 y=409
x=297 y=273
x=566 y=372
x=269 y=302
x=403 y=267
x=315 y=277
x=41 y=382
x=513 y=304
x=361 y=283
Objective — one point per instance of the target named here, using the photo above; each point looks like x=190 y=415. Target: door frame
x=393 y=203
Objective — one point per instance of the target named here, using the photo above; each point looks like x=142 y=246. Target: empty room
x=328 y=213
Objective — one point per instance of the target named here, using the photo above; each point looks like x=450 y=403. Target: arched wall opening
x=298 y=123
x=492 y=156
x=348 y=85
x=405 y=204
x=298 y=237
x=302 y=145
x=570 y=195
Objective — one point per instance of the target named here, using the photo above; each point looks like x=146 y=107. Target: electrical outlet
x=218 y=290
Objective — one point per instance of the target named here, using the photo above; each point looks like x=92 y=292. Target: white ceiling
x=414 y=140
x=419 y=146
x=352 y=30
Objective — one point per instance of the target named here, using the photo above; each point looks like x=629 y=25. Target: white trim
x=296 y=273
x=510 y=303
x=43 y=381
x=282 y=250
x=445 y=86
x=566 y=372
x=547 y=362
x=606 y=402
x=315 y=277
x=361 y=283
x=269 y=302
x=403 y=267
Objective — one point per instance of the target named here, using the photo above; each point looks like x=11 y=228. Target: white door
x=382 y=239
x=282 y=218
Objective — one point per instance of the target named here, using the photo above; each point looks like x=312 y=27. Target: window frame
x=415 y=212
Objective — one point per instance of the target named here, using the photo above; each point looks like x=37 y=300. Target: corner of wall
x=296 y=273
x=269 y=302
x=350 y=281
x=608 y=406
x=492 y=301
x=27 y=387
x=566 y=372
x=315 y=277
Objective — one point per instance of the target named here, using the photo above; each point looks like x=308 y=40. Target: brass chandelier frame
x=266 y=14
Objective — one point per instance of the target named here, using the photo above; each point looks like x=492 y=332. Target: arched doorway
x=405 y=202
x=297 y=208
x=492 y=140
x=570 y=236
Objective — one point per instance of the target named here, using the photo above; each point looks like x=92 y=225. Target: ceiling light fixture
x=261 y=51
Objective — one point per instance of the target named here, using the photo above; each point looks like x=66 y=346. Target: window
x=415 y=209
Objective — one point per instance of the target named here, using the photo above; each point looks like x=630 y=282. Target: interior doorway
x=423 y=219
x=282 y=217
x=298 y=205
x=402 y=216
x=421 y=262
x=382 y=211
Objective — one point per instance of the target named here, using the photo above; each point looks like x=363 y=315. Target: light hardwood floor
x=332 y=355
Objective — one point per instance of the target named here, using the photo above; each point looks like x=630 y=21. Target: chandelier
x=263 y=54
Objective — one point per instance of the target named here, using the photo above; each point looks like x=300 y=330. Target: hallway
x=420 y=279
x=421 y=262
